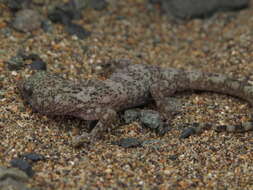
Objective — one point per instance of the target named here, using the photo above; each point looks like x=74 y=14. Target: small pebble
x=47 y=26
x=173 y=157
x=187 y=133
x=131 y=115
x=13 y=173
x=22 y=165
x=11 y=184
x=38 y=64
x=151 y=119
x=60 y=16
x=77 y=30
x=183 y=9
x=163 y=129
x=128 y=142
x=33 y=157
x=27 y=20
x=15 y=5
x=98 y=4
x=15 y=63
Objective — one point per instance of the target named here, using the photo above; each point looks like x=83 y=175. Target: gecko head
x=27 y=86
x=35 y=89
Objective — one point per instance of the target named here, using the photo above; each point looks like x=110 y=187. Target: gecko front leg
x=107 y=117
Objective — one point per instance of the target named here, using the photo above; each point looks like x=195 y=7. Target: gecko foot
x=82 y=139
x=107 y=119
x=89 y=138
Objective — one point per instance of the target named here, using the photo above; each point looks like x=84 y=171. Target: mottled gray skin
x=131 y=86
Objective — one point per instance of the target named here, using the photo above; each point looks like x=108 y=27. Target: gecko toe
x=82 y=139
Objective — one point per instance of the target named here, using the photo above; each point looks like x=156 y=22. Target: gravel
x=211 y=160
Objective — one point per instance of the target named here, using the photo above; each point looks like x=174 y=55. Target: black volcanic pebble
x=128 y=142
x=186 y=9
x=33 y=157
x=75 y=29
x=22 y=165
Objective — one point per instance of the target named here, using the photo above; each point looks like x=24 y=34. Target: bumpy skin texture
x=127 y=87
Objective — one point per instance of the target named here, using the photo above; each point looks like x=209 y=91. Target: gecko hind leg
x=107 y=118
x=162 y=93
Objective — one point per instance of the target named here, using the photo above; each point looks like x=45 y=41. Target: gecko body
x=131 y=86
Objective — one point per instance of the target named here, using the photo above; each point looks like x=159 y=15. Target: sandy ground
x=132 y=30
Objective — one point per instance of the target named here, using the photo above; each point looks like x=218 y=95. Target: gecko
x=129 y=86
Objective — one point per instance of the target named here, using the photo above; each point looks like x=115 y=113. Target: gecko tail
x=243 y=127
x=198 y=128
x=219 y=83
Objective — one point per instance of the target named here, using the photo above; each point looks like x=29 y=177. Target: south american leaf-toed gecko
x=127 y=87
